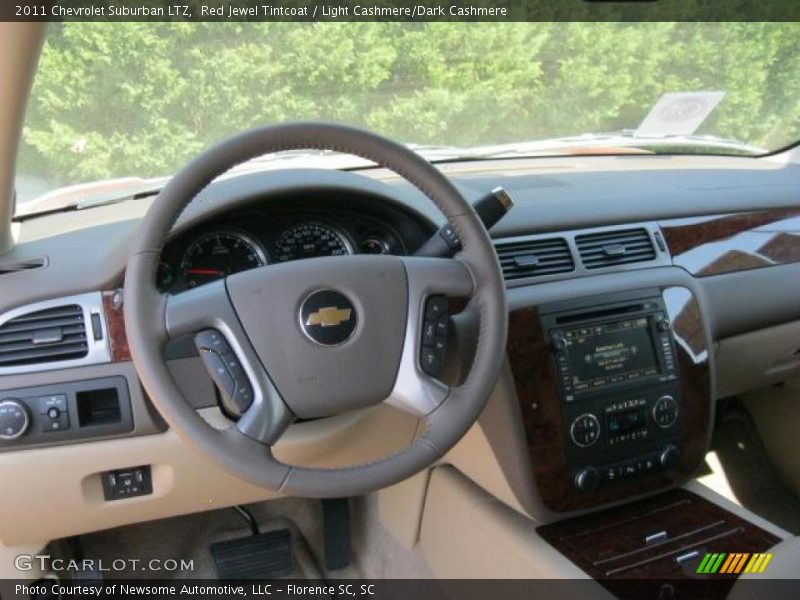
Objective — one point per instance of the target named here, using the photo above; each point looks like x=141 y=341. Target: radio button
x=665 y=412
x=630 y=470
x=648 y=464
x=611 y=473
x=585 y=430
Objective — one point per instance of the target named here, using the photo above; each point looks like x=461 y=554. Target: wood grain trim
x=535 y=381
x=780 y=245
x=610 y=545
x=115 y=324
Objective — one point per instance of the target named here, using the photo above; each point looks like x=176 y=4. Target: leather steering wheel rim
x=151 y=317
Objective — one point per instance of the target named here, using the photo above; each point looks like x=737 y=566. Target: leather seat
x=784 y=565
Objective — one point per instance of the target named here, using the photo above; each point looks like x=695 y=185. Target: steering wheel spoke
x=207 y=313
x=431 y=282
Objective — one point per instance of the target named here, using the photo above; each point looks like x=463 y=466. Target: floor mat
x=748 y=471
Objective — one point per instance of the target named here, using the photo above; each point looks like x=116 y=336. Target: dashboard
x=283 y=229
x=718 y=231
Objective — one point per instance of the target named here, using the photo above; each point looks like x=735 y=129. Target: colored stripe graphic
x=734 y=563
x=728 y=562
x=741 y=563
x=717 y=563
x=711 y=563
x=702 y=567
x=764 y=564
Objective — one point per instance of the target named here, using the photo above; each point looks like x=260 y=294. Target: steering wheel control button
x=429 y=332
x=210 y=339
x=435 y=307
x=434 y=335
x=126 y=483
x=328 y=318
x=430 y=361
x=585 y=430
x=14 y=419
x=236 y=393
x=665 y=412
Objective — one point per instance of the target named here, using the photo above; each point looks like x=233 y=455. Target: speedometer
x=310 y=240
x=219 y=254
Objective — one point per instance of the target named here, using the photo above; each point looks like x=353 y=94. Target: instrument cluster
x=251 y=240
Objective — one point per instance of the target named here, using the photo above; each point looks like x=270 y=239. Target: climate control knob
x=669 y=457
x=587 y=480
x=14 y=419
x=665 y=411
x=585 y=430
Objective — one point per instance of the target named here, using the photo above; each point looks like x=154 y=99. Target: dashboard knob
x=558 y=342
x=665 y=411
x=585 y=430
x=669 y=457
x=662 y=324
x=587 y=480
x=14 y=419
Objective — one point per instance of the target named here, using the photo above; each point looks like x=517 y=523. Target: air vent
x=534 y=258
x=611 y=248
x=49 y=335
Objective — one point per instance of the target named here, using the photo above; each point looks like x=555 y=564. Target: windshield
x=135 y=101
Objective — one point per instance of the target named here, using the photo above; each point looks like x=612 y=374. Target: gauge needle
x=204 y=272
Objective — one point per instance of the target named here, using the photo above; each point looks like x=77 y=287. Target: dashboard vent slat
x=611 y=248
x=49 y=335
x=534 y=258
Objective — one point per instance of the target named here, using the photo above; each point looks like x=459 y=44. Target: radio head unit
x=631 y=346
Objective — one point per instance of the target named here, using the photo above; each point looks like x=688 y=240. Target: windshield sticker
x=679 y=113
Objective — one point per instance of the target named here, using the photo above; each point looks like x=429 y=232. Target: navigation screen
x=610 y=353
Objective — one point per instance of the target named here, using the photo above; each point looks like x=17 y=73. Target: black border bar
x=400 y=10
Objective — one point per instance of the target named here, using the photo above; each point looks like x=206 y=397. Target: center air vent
x=534 y=258
x=52 y=334
x=611 y=248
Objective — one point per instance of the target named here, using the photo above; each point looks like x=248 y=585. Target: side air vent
x=49 y=335
x=534 y=258
x=611 y=248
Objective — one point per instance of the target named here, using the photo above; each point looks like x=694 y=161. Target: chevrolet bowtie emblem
x=329 y=316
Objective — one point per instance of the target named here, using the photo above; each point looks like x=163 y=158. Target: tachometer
x=219 y=254
x=310 y=240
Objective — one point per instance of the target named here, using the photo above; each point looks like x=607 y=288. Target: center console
x=618 y=387
x=614 y=392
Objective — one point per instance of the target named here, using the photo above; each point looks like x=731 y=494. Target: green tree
x=141 y=98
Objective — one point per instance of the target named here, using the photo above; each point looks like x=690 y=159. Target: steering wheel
x=320 y=336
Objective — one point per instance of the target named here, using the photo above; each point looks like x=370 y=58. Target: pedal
x=264 y=556
x=336 y=529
